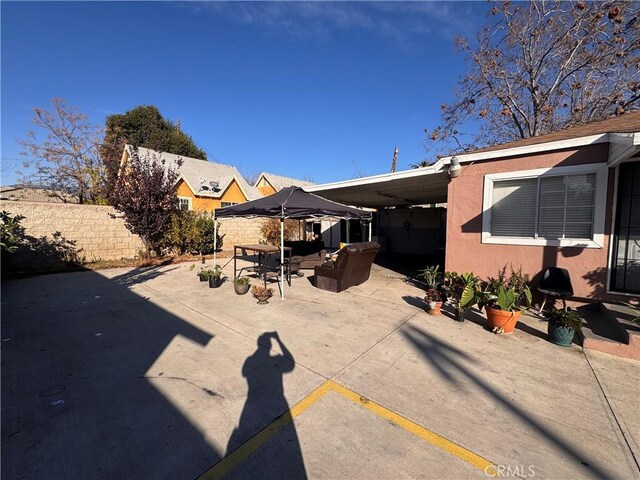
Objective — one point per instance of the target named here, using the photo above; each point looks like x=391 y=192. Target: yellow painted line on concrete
x=418 y=430
x=225 y=465
x=229 y=462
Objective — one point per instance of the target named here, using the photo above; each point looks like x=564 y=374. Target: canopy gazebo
x=293 y=203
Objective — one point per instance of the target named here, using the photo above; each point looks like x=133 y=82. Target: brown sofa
x=351 y=267
x=313 y=253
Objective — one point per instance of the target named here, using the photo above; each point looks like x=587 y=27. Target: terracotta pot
x=434 y=308
x=501 y=319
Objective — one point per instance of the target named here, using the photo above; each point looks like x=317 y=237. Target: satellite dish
x=213 y=184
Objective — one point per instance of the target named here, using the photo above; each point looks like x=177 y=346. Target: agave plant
x=433 y=280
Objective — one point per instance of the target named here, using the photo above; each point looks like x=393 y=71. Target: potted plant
x=433 y=296
x=241 y=285
x=262 y=294
x=562 y=326
x=214 y=276
x=203 y=274
x=504 y=299
x=460 y=288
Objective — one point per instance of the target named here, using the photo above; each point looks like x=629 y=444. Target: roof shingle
x=199 y=173
x=625 y=123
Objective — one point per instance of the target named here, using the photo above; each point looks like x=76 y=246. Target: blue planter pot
x=560 y=335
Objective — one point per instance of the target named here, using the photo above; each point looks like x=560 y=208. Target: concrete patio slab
x=148 y=373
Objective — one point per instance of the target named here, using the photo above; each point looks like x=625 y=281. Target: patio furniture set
x=351 y=267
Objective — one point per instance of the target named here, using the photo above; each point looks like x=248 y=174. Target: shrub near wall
x=95 y=231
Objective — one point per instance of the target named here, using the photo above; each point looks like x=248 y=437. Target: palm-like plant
x=421 y=164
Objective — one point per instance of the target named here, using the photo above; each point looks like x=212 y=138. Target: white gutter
x=385 y=177
x=528 y=149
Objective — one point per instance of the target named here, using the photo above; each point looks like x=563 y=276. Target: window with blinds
x=549 y=207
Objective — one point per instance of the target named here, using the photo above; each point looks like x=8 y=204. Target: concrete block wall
x=96 y=234
x=240 y=231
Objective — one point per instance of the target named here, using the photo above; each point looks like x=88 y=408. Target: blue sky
x=320 y=90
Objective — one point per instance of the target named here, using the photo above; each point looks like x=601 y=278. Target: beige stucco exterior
x=465 y=251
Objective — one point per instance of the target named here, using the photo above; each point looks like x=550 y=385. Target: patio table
x=264 y=253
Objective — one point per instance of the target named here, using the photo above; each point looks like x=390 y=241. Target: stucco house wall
x=466 y=253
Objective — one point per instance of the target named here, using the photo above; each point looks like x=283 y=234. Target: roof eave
x=528 y=149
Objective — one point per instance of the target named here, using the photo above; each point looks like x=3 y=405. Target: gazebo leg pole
x=370 y=228
x=282 y=257
x=215 y=238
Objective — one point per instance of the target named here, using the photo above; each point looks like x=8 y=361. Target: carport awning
x=411 y=187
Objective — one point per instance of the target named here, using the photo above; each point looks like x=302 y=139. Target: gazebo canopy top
x=292 y=202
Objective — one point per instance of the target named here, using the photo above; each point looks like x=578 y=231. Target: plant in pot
x=241 y=285
x=460 y=288
x=213 y=275
x=434 y=296
x=262 y=294
x=562 y=326
x=203 y=274
x=504 y=299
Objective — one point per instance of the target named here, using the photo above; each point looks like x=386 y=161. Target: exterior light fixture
x=454 y=167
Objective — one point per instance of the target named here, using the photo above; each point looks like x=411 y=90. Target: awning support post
x=282 y=257
x=215 y=237
x=370 y=222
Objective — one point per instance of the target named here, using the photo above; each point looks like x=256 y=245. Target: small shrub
x=568 y=319
x=11 y=232
x=270 y=230
x=191 y=232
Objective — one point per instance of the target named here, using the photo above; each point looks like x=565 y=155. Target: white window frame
x=597 y=240
x=188 y=199
x=229 y=204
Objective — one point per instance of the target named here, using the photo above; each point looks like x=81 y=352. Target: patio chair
x=352 y=267
x=557 y=283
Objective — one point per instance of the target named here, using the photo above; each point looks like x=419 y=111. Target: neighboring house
x=27 y=193
x=268 y=183
x=569 y=199
x=202 y=185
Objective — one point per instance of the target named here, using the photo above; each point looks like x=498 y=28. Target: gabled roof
x=198 y=174
x=625 y=123
x=279 y=182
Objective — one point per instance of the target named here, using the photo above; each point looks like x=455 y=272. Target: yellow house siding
x=205 y=204
x=267 y=190
x=265 y=187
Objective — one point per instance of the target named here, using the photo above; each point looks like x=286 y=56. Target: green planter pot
x=560 y=335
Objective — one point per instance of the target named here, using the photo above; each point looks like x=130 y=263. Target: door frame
x=614 y=212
